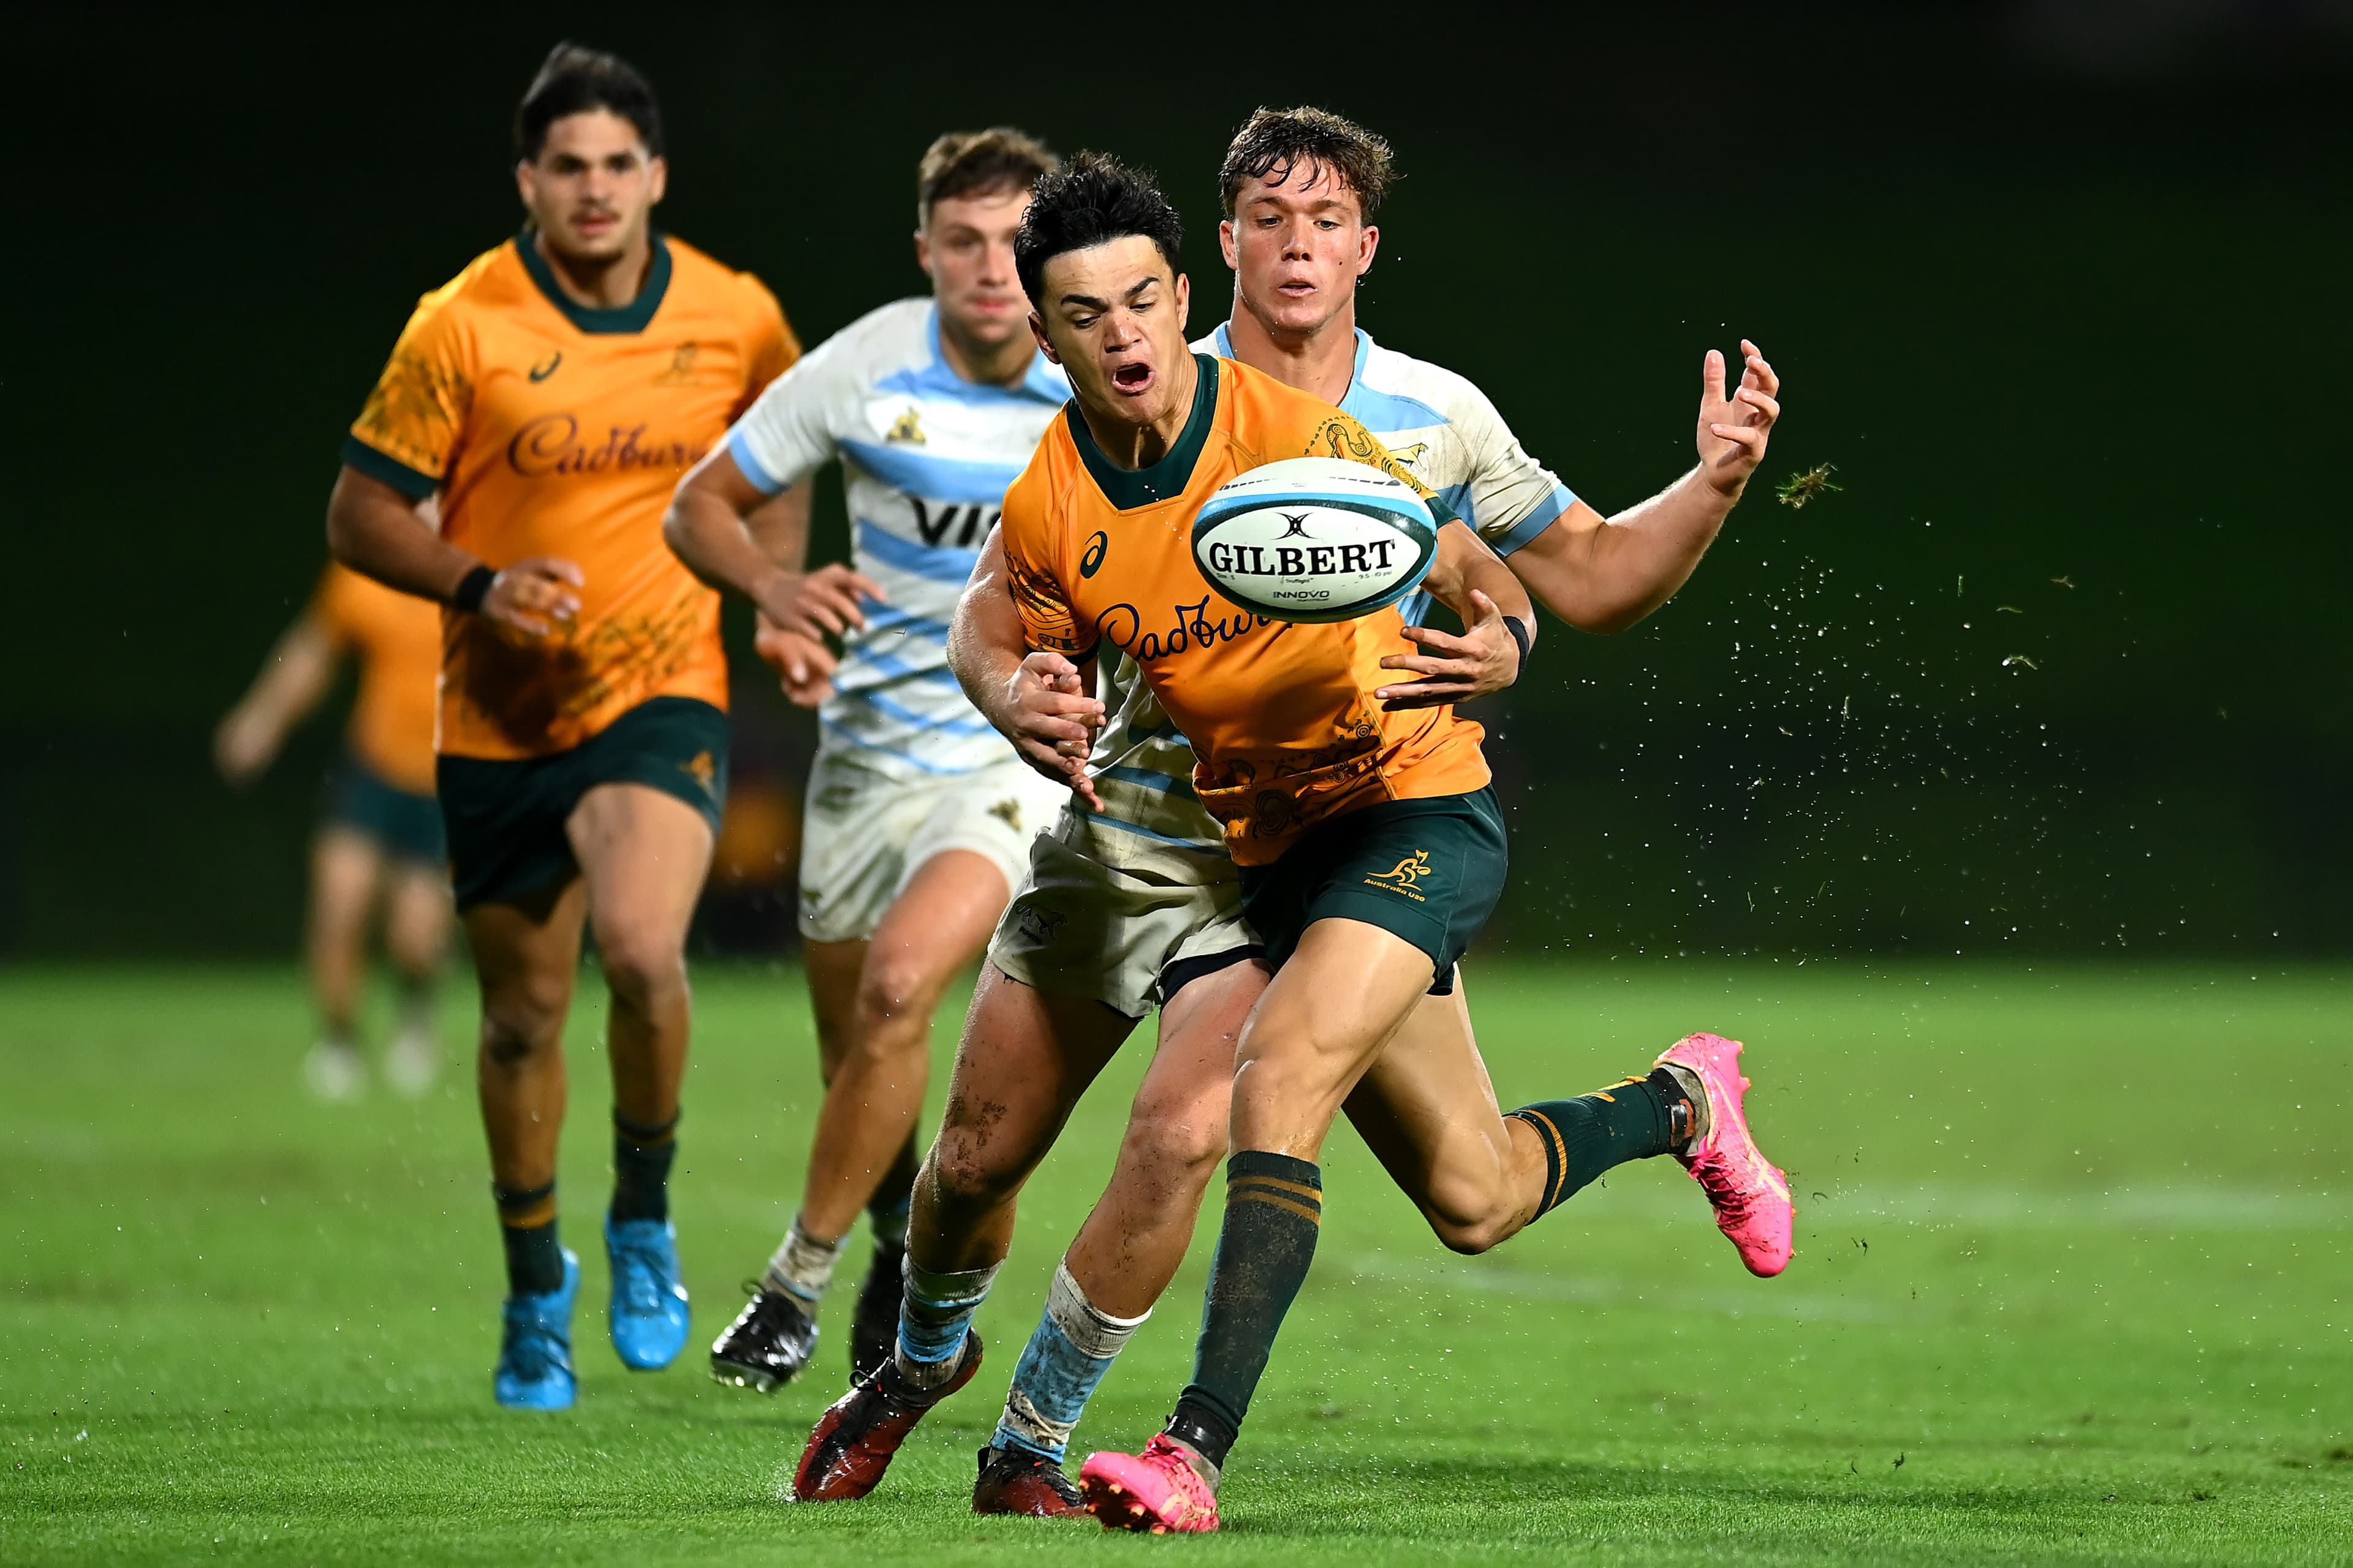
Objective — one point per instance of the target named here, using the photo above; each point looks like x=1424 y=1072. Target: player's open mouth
x=1132 y=378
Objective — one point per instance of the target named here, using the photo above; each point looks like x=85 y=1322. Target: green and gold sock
x=527 y=1230
x=641 y=1161
x=1584 y=1137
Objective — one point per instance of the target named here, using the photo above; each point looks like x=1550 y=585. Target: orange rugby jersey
x=550 y=429
x=1286 y=731
x=396 y=638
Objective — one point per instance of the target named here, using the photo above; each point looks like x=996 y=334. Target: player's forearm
x=375 y=530
x=707 y=532
x=293 y=680
x=986 y=647
x=1466 y=565
x=780 y=527
x=1610 y=574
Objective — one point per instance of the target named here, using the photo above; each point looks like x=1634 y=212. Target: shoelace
x=531 y=1346
x=640 y=1273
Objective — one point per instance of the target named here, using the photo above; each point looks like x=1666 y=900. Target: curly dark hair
x=980 y=162
x=1089 y=201
x=572 y=80
x=1287 y=138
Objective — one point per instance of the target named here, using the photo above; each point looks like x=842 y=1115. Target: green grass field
x=2070 y=1286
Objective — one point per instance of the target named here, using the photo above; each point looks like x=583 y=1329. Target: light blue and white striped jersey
x=1441 y=426
x=927 y=455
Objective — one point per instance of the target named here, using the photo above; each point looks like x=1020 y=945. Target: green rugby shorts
x=1429 y=871
x=506 y=816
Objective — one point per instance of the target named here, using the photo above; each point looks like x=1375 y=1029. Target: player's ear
x=923 y=252
x=1226 y=245
x=1184 y=300
x=1045 y=345
x=657 y=178
x=1368 y=243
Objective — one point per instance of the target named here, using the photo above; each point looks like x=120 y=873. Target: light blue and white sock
x=935 y=1313
x=1061 y=1368
x=803 y=1267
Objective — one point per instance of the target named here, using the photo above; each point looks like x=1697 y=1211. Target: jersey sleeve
x=409 y=429
x=1032 y=568
x=1512 y=498
x=771 y=348
x=331 y=607
x=1340 y=436
x=788 y=433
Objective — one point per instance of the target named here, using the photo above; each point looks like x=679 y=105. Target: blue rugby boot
x=648 y=1303
x=535 y=1347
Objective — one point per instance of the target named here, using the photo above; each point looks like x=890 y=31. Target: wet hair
x=1307 y=140
x=575 y=80
x=979 y=164
x=1091 y=200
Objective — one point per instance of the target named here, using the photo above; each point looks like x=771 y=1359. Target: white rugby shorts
x=865 y=833
x=1080 y=927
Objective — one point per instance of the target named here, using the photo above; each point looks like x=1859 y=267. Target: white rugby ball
x=1314 y=539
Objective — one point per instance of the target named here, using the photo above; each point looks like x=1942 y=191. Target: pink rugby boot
x=1750 y=1195
x=1158 y=1491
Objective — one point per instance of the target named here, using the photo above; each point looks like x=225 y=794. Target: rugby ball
x=1314 y=539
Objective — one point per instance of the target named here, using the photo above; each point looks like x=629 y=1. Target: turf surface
x=2073 y=1253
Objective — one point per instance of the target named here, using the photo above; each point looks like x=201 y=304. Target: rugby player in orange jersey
x=1370 y=848
x=1130 y=900
x=380 y=843
x=552 y=395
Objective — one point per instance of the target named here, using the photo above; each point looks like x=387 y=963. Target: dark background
x=2059 y=289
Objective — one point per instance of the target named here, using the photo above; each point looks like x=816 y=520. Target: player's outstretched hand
x=804 y=665
x=1732 y=430
x=823 y=603
x=530 y=594
x=1053 y=721
x=1483 y=659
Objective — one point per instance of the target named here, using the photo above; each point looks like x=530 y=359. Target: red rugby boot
x=860 y=1432
x=1015 y=1481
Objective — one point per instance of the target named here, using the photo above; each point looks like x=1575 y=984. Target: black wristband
x=472 y=588
x=1519 y=630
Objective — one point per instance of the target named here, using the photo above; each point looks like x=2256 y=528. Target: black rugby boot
x=771 y=1340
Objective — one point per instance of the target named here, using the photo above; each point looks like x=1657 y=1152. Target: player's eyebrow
x=1091 y=302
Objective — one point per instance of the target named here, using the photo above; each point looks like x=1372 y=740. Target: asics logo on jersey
x=908 y=428
x=546 y=367
x=1404 y=876
x=1097 y=548
x=1294 y=525
x=551 y=445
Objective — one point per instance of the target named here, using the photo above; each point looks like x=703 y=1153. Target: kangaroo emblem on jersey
x=909 y=427
x=702 y=771
x=1295 y=526
x=1402 y=876
x=681 y=366
x=546 y=367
